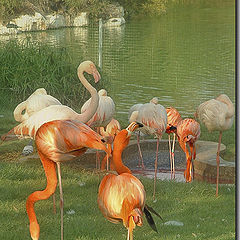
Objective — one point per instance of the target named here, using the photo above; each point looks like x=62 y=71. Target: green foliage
x=26 y=67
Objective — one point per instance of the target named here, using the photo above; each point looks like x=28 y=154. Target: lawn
x=195 y=205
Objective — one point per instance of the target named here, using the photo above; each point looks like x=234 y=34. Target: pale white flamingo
x=29 y=127
x=103 y=115
x=34 y=103
x=173 y=118
x=217 y=115
x=154 y=118
x=188 y=132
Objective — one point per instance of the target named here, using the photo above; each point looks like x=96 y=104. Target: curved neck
x=91 y=110
x=117 y=157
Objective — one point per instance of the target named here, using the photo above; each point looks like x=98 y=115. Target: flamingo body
x=188 y=132
x=216 y=114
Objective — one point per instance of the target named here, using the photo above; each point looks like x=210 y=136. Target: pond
x=183 y=57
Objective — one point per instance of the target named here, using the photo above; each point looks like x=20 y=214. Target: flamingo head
x=90 y=68
x=123 y=137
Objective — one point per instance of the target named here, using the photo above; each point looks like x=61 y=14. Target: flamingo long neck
x=117 y=158
x=88 y=114
x=50 y=171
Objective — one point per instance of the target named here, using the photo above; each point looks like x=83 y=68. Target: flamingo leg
x=50 y=172
x=54 y=203
x=140 y=152
x=218 y=161
x=191 y=163
x=61 y=196
x=173 y=160
x=155 y=175
x=170 y=153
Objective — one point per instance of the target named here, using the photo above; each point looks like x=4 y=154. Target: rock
x=81 y=20
x=56 y=21
x=114 y=22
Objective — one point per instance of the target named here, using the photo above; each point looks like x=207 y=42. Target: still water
x=184 y=57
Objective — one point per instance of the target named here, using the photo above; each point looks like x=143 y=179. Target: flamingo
x=34 y=103
x=29 y=127
x=102 y=116
x=188 y=131
x=112 y=129
x=121 y=198
x=173 y=118
x=154 y=118
x=58 y=141
x=217 y=115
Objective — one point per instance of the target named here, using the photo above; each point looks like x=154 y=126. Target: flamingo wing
x=63 y=140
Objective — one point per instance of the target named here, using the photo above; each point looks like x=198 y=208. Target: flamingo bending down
x=34 y=103
x=173 y=118
x=121 y=198
x=29 y=127
x=58 y=141
x=188 y=131
x=154 y=118
x=112 y=129
x=102 y=116
x=217 y=115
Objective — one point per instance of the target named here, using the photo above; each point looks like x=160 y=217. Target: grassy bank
x=204 y=216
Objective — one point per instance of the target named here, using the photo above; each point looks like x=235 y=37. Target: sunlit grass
x=204 y=216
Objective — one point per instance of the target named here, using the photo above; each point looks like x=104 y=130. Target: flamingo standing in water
x=173 y=118
x=154 y=118
x=112 y=129
x=103 y=115
x=34 y=103
x=217 y=115
x=188 y=131
x=58 y=141
x=121 y=198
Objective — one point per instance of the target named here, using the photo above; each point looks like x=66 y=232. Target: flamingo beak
x=133 y=126
x=96 y=76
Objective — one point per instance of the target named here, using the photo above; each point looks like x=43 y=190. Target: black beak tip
x=103 y=140
x=140 y=124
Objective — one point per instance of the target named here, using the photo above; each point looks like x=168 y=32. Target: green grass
x=204 y=216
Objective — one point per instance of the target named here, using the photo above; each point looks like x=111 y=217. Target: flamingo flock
x=61 y=134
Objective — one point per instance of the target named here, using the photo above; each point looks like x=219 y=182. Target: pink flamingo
x=217 y=115
x=173 y=118
x=57 y=141
x=154 y=118
x=188 y=131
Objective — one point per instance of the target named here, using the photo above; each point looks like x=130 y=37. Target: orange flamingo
x=188 y=131
x=102 y=116
x=29 y=127
x=154 y=118
x=58 y=141
x=34 y=103
x=121 y=198
x=173 y=118
x=112 y=129
x=217 y=115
